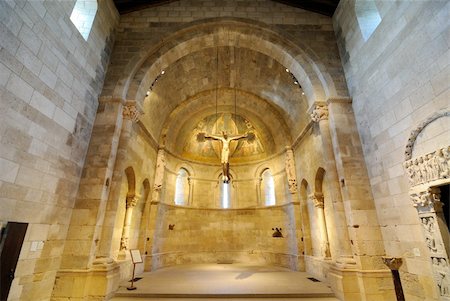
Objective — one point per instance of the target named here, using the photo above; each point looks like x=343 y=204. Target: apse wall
x=203 y=235
x=205 y=180
x=50 y=80
x=398 y=78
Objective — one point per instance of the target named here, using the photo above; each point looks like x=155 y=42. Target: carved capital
x=124 y=243
x=130 y=112
x=132 y=201
x=393 y=263
x=426 y=199
x=319 y=113
x=318 y=199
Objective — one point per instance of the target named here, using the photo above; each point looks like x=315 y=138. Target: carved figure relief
x=429 y=167
x=159 y=172
x=319 y=113
x=290 y=170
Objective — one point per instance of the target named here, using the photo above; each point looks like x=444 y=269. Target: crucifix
x=225 y=139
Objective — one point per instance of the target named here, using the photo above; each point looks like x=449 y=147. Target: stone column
x=156 y=199
x=319 y=115
x=108 y=246
x=429 y=207
x=318 y=200
x=130 y=204
x=78 y=265
x=394 y=265
x=90 y=206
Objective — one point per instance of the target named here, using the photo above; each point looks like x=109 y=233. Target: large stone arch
x=304 y=64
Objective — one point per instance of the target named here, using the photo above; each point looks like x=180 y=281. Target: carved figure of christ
x=225 y=139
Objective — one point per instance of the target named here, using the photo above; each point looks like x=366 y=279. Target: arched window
x=182 y=187
x=224 y=193
x=368 y=17
x=83 y=15
x=268 y=188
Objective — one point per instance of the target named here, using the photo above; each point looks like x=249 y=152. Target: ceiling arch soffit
x=301 y=60
x=179 y=117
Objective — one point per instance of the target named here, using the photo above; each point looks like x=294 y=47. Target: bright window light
x=83 y=16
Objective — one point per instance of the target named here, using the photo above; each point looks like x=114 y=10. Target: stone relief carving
x=130 y=112
x=159 y=172
x=319 y=113
x=425 y=198
x=429 y=167
x=429 y=205
x=290 y=170
x=443 y=283
x=413 y=136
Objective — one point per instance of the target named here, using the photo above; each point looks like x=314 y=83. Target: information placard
x=136 y=256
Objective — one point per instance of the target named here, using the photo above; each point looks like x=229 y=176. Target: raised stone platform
x=225 y=281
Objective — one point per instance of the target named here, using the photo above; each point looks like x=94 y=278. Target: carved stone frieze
x=319 y=113
x=130 y=112
x=429 y=167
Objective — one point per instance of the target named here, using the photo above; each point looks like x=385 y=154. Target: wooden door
x=10 y=246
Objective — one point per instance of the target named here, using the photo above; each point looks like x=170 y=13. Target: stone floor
x=225 y=282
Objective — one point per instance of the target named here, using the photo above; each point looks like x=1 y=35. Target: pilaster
x=320 y=115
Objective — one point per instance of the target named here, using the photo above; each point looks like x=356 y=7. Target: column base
x=97 y=283
x=361 y=285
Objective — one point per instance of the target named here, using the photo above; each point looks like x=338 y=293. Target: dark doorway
x=445 y=196
x=10 y=245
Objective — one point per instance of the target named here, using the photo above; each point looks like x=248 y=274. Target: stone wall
x=225 y=236
x=397 y=79
x=50 y=79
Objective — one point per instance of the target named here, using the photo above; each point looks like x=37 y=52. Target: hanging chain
x=217 y=83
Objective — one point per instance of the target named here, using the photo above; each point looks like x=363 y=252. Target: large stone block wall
x=397 y=79
x=224 y=236
x=50 y=79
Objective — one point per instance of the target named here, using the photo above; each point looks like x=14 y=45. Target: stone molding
x=319 y=113
x=130 y=112
x=413 y=136
x=429 y=167
x=393 y=263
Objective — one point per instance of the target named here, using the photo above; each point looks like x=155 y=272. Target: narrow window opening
x=368 y=17
x=182 y=187
x=83 y=15
x=268 y=188
x=225 y=194
x=445 y=199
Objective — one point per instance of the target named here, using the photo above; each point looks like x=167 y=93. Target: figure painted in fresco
x=225 y=153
